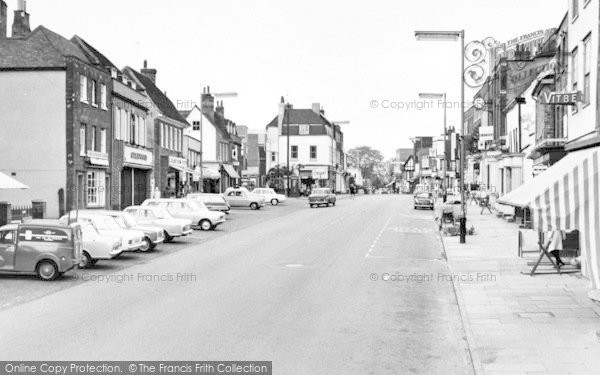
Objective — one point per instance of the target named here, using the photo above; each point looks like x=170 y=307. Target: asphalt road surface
x=359 y=288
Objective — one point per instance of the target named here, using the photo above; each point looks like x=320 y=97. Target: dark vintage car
x=46 y=248
x=424 y=200
x=321 y=196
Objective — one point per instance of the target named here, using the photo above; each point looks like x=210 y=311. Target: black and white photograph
x=262 y=187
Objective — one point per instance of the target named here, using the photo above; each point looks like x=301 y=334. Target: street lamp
x=443 y=97
x=454 y=36
x=288 y=108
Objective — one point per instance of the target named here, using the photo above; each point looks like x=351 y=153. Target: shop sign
x=538 y=169
x=137 y=156
x=486 y=133
x=560 y=98
x=176 y=162
x=320 y=173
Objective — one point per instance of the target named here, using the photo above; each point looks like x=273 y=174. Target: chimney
x=281 y=115
x=220 y=109
x=150 y=73
x=20 y=27
x=208 y=102
x=316 y=107
x=3 y=20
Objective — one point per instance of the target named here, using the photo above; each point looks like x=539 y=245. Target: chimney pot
x=150 y=73
x=20 y=27
x=3 y=20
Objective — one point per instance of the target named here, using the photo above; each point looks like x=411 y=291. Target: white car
x=97 y=246
x=269 y=195
x=156 y=216
x=132 y=240
x=189 y=209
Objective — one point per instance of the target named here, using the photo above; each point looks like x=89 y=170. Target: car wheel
x=327 y=204
x=146 y=245
x=168 y=238
x=205 y=224
x=254 y=206
x=415 y=207
x=47 y=270
x=274 y=202
x=86 y=260
x=333 y=203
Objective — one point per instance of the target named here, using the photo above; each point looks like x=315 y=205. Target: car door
x=233 y=198
x=7 y=249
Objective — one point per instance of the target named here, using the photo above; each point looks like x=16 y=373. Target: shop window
x=95 y=188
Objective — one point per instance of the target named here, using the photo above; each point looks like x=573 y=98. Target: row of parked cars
x=49 y=248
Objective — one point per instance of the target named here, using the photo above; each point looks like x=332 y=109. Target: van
x=45 y=248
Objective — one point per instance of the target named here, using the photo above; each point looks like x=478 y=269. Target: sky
x=359 y=60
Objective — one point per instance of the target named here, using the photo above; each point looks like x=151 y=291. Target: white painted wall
x=33 y=135
x=209 y=134
x=324 y=149
x=584 y=120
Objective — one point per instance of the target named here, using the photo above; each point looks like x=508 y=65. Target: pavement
x=358 y=288
x=515 y=323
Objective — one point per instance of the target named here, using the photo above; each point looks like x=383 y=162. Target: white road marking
x=378 y=237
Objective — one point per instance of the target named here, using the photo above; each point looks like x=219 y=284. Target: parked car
x=269 y=195
x=132 y=240
x=97 y=246
x=190 y=209
x=153 y=235
x=241 y=197
x=46 y=248
x=214 y=202
x=423 y=200
x=159 y=217
x=321 y=196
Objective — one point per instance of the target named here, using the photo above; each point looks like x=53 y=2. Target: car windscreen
x=161 y=213
x=89 y=229
x=196 y=205
x=129 y=220
x=424 y=195
x=321 y=191
x=107 y=223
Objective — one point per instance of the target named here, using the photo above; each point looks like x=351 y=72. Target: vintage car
x=241 y=197
x=214 y=202
x=159 y=217
x=131 y=240
x=423 y=200
x=190 y=209
x=152 y=235
x=46 y=248
x=321 y=196
x=97 y=246
x=269 y=195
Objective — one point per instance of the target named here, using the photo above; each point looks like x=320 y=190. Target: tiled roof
x=164 y=104
x=302 y=116
x=185 y=113
x=42 y=48
x=93 y=54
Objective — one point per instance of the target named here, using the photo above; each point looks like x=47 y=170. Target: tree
x=368 y=159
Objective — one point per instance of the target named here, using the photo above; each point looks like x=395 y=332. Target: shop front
x=177 y=176
x=92 y=183
x=136 y=176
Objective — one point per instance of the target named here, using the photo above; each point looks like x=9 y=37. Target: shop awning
x=210 y=173
x=230 y=171
x=7 y=182
x=180 y=168
x=567 y=197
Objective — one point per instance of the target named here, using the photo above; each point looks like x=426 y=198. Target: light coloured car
x=423 y=200
x=97 y=246
x=269 y=195
x=241 y=197
x=321 y=196
x=214 y=202
x=159 y=217
x=190 y=209
x=132 y=240
x=152 y=235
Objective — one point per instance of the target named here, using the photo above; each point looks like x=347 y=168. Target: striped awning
x=567 y=197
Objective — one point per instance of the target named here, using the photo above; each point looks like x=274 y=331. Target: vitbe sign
x=562 y=98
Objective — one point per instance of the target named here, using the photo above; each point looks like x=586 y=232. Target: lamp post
x=454 y=36
x=287 y=121
x=444 y=170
